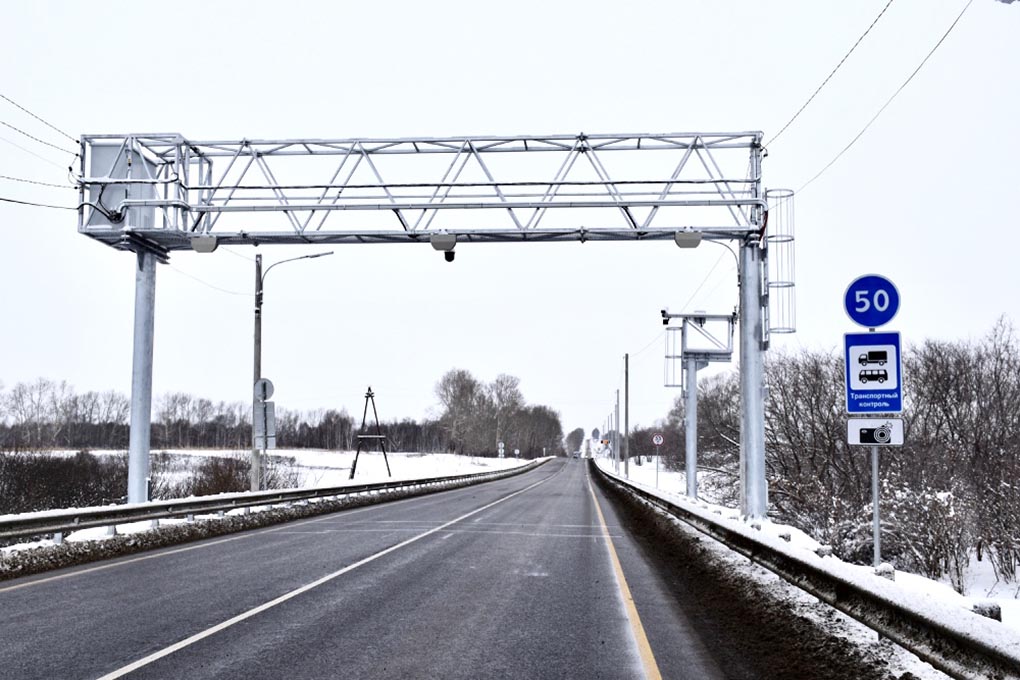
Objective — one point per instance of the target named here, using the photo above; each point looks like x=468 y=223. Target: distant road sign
x=263 y=389
x=265 y=425
x=874 y=431
x=873 y=373
x=657 y=439
x=871 y=301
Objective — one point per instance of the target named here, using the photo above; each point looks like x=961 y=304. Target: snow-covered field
x=321 y=469
x=981 y=583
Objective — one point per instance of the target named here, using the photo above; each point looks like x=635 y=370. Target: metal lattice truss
x=165 y=190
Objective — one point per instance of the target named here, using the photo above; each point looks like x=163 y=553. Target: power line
x=208 y=284
x=703 y=281
x=236 y=254
x=38 y=205
x=34 y=138
x=44 y=122
x=890 y=100
x=32 y=153
x=32 y=181
x=829 y=77
x=641 y=351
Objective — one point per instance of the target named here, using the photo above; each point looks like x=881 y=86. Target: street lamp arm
x=292 y=259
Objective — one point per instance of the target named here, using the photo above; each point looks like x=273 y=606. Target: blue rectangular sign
x=873 y=373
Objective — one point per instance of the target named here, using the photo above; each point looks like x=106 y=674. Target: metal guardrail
x=64 y=521
x=952 y=651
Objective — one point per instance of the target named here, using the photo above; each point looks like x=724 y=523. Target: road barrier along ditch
x=974 y=650
x=59 y=522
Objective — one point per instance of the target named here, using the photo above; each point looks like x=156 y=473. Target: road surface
x=527 y=577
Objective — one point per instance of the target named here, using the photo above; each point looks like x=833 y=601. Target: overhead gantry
x=152 y=194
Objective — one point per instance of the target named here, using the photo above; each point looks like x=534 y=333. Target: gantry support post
x=753 y=501
x=141 y=377
x=691 y=425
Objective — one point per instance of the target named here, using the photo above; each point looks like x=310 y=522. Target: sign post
x=263 y=429
x=873 y=377
x=657 y=439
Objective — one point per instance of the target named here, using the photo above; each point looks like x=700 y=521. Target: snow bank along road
x=535 y=576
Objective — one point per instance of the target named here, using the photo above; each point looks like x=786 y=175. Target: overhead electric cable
x=209 y=285
x=703 y=281
x=890 y=100
x=36 y=139
x=38 y=205
x=641 y=351
x=829 y=77
x=236 y=254
x=32 y=153
x=32 y=181
x=41 y=120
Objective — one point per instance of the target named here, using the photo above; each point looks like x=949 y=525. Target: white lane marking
x=450 y=532
x=249 y=533
x=145 y=661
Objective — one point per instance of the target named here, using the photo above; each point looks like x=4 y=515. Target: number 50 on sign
x=871 y=301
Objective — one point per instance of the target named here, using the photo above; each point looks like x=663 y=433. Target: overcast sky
x=926 y=197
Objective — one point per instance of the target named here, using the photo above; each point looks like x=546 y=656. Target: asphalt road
x=517 y=578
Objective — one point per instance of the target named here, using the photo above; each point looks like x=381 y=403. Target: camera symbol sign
x=874 y=431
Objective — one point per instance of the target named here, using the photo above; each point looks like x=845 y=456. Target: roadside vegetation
x=90 y=430
x=949 y=495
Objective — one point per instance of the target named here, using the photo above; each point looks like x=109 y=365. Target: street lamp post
x=260 y=281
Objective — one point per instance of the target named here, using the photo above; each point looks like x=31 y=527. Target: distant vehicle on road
x=878 y=375
x=874 y=358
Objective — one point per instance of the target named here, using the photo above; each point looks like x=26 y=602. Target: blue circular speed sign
x=871 y=301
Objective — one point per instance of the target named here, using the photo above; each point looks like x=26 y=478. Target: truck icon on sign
x=874 y=358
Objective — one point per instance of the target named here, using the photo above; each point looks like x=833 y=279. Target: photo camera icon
x=876 y=435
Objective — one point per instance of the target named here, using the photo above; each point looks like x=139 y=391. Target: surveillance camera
x=665 y=322
x=449 y=255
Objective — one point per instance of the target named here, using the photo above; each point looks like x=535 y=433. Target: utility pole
x=626 y=415
x=256 y=457
x=616 y=430
x=260 y=281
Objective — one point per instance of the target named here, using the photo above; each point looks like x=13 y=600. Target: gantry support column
x=691 y=425
x=141 y=377
x=754 y=500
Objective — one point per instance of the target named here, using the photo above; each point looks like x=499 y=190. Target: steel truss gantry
x=155 y=193
x=168 y=189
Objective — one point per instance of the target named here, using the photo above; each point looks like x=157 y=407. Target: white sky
x=923 y=197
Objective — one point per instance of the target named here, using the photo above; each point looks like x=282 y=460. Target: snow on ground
x=315 y=469
x=944 y=602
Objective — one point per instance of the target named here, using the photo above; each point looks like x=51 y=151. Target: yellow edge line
x=644 y=649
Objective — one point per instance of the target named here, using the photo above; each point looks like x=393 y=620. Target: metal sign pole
x=877 y=529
